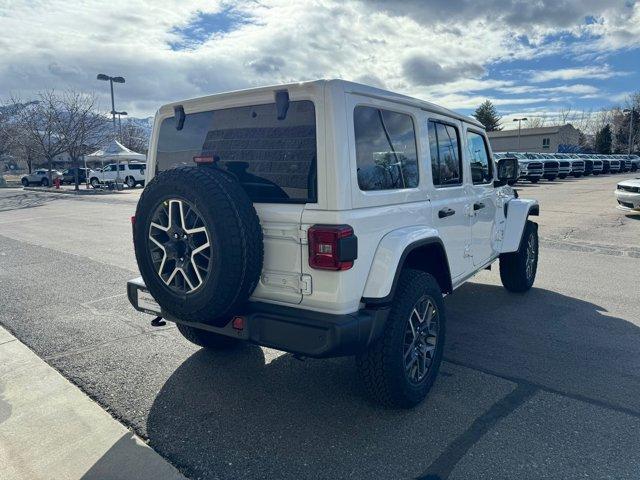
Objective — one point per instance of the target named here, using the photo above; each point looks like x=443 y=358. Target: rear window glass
x=386 y=153
x=274 y=160
x=137 y=166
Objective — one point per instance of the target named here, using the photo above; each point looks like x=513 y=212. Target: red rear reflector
x=203 y=159
x=238 y=323
x=332 y=247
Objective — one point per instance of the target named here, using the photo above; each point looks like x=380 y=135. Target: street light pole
x=519 y=120
x=630 y=112
x=120 y=123
x=112 y=80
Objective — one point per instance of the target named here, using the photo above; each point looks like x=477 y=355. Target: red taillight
x=332 y=247
x=133 y=220
x=203 y=159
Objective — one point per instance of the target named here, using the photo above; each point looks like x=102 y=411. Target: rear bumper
x=295 y=330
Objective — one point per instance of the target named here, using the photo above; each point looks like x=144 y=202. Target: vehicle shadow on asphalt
x=238 y=415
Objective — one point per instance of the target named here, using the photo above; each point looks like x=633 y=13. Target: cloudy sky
x=527 y=56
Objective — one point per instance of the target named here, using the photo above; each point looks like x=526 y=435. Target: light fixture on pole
x=519 y=120
x=112 y=80
x=631 y=113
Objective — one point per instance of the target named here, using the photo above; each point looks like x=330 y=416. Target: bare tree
x=134 y=137
x=537 y=121
x=82 y=129
x=564 y=115
x=40 y=124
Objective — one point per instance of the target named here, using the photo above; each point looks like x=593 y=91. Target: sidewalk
x=49 y=429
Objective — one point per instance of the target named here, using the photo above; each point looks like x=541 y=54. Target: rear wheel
x=400 y=367
x=131 y=182
x=44 y=182
x=518 y=269
x=534 y=179
x=206 y=339
x=562 y=176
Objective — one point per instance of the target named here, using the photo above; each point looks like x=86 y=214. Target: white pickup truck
x=325 y=218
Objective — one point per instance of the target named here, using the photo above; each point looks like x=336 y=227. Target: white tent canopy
x=115 y=151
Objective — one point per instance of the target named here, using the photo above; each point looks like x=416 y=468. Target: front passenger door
x=483 y=212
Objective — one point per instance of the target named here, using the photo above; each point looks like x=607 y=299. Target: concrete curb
x=50 y=429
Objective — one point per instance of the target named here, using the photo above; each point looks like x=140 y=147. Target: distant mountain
x=145 y=123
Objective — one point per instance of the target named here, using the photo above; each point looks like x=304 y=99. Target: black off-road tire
x=206 y=339
x=235 y=236
x=381 y=366
x=513 y=266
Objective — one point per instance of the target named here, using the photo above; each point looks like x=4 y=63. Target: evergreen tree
x=488 y=116
x=604 y=140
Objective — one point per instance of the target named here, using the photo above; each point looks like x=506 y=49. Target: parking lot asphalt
x=540 y=385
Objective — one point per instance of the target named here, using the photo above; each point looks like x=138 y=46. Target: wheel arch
x=426 y=254
x=517 y=211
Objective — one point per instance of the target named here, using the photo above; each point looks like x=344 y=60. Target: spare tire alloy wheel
x=420 y=339
x=180 y=245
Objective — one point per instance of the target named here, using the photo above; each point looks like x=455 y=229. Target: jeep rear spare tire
x=198 y=243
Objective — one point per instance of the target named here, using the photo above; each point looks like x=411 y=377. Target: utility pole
x=519 y=120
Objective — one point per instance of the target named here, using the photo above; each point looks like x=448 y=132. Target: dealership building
x=561 y=138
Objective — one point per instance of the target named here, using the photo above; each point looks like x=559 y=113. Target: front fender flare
x=390 y=254
x=517 y=210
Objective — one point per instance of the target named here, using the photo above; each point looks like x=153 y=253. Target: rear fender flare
x=390 y=257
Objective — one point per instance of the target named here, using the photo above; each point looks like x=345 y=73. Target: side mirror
x=507 y=172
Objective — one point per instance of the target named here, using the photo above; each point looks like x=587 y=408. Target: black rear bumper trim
x=294 y=330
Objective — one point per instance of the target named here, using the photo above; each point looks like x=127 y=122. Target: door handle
x=478 y=206
x=446 y=212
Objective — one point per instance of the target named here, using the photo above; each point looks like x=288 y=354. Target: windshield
x=274 y=160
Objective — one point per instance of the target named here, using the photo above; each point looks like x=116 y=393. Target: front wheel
x=25 y=182
x=95 y=183
x=534 y=180
x=206 y=339
x=400 y=367
x=518 y=269
x=130 y=181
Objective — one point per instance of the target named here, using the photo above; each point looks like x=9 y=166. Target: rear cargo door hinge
x=306 y=287
x=284 y=231
x=288 y=281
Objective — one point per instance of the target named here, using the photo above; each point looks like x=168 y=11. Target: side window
x=546 y=142
x=386 y=153
x=446 y=163
x=478 y=158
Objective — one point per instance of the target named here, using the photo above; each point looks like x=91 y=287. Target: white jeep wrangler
x=325 y=218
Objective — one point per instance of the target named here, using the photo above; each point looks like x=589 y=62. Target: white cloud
x=439 y=50
x=599 y=72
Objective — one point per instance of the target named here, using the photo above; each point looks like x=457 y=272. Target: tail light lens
x=332 y=247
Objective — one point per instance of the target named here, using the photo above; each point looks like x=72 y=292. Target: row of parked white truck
x=550 y=166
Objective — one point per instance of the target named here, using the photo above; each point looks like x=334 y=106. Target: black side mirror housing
x=507 y=172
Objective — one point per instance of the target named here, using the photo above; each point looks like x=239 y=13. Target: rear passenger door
x=451 y=197
x=483 y=209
